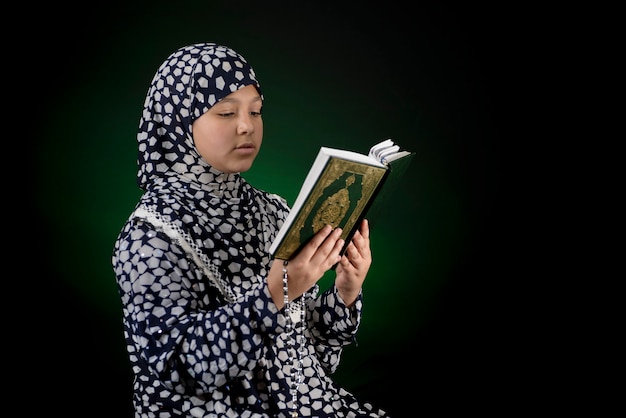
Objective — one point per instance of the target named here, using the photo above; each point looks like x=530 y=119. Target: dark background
x=441 y=329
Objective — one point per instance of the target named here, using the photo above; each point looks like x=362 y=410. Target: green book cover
x=339 y=198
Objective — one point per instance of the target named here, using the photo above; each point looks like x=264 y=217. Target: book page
x=376 y=149
x=386 y=151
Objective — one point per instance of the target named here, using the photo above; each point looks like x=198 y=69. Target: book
x=341 y=189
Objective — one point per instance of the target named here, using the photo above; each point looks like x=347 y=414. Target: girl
x=214 y=326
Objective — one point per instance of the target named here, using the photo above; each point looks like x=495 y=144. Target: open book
x=341 y=189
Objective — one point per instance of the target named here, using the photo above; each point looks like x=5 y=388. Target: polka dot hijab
x=218 y=218
x=188 y=83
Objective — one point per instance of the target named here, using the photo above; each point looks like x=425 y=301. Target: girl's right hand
x=308 y=266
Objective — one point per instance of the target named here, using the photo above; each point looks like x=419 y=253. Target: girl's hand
x=308 y=266
x=354 y=265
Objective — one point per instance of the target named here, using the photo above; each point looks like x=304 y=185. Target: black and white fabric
x=203 y=335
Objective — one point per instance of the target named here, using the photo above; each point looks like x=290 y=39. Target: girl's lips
x=245 y=149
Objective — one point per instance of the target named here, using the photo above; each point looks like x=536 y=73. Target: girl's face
x=229 y=135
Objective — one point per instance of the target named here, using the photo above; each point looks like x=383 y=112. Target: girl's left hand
x=354 y=265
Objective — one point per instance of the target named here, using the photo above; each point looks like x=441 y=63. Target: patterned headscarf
x=188 y=83
x=218 y=218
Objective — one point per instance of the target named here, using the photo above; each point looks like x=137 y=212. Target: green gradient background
x=335 y=76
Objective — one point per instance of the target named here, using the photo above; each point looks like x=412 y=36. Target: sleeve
x=177 y=325
x=334 y=326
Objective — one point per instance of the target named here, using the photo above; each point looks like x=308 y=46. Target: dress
x=203 y=335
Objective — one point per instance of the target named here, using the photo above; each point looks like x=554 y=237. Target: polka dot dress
x=203 y=335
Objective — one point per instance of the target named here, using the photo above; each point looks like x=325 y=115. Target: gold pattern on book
x=334 y=208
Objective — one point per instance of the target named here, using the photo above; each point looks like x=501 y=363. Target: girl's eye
x=226 y=114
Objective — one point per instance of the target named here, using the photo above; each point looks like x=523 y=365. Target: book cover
x=344 y=189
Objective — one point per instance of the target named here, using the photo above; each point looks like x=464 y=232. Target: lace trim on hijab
x=190 y=247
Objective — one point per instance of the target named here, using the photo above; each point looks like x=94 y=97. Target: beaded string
x=295 y=356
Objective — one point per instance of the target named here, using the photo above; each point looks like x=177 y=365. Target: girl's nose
x=245 y=126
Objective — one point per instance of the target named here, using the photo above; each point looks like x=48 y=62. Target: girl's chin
x=241 y=168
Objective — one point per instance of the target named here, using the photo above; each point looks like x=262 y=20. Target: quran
x=341 y=189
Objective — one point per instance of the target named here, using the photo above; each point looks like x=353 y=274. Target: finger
x=332 y=246
x=360 y=243
x=352 y=249
x=331 y=242
x=352 y=253
x=365 y=229
x=364 y=233
x=318 y=239
x=326 y=246
x=345 y=262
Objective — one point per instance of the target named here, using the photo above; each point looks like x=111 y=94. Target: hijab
x=186 y=85
x=223 y=223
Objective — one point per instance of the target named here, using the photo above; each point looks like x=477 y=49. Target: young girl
x=214 y=326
